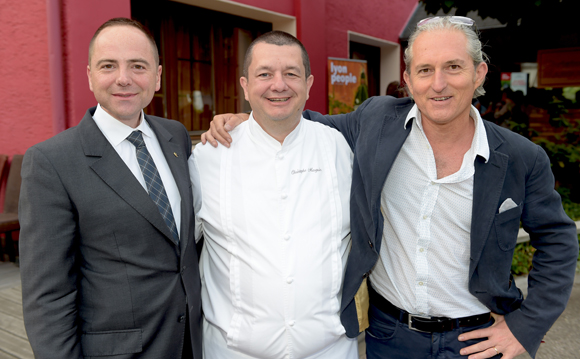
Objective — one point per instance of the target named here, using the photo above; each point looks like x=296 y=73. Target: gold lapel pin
x=175 y=154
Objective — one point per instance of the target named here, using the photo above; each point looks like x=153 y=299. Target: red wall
x=323 y=27
x=25 y=107
x=280 y=6
x=25 y=102
x=80 y=21
x=25 y=95
x=378 y=18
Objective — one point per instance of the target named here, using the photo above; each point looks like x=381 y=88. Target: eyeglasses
x=459 y=20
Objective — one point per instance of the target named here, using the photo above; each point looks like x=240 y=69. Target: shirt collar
x=116 y=131
x=479 y=145
x=263 y=137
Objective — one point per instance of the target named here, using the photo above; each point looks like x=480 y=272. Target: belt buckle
x=410 y=322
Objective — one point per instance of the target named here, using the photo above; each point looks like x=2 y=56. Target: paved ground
x=561 y=342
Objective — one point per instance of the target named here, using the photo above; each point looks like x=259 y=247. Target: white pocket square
x=507 y=205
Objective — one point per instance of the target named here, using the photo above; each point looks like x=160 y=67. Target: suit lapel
x=391 y=139
x=487 y=185
x=177 y=161
x=114 y=172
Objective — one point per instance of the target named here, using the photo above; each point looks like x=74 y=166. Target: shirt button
x=370 y=244
x=287 y=237
x=420 y=283
x=291 y=323
x=421 y=250
x=284 y=196
x=280 y=157
x=425 y=216
x=290 y=280
x=181 y=319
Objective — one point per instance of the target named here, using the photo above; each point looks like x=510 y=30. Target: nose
x=439 y=81
x=124 y=78
x=279 y=83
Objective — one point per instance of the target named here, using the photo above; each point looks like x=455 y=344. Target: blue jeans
x=388 y=338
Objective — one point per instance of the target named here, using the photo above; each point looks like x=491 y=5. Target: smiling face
x=123 y=74
x=276 y=86
x=442 y=77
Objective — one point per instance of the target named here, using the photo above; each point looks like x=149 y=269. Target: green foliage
x=512 y=13
x=564 y=152
x=522 y=260
x=572 y=209
x=523 y=253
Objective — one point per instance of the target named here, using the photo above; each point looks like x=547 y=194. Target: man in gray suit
x=108 y=259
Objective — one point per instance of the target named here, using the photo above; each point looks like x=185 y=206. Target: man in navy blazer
x=511 y=182
x=437 y=198
x=103 y=275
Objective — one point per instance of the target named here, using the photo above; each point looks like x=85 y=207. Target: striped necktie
x=153 y=182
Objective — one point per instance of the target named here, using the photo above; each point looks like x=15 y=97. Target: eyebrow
x=455 y=61
x=269 y=68
x=132 y=61
x=450 y=62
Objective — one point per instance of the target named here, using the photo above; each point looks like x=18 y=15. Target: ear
x=89 y=77
x=158 y=81
x=480 y=73
x=309 y=83
x=407 y=79
x=244 y=83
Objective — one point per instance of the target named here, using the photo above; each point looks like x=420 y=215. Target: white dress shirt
x=116 y=133
x=423 y=266
x=277 y=234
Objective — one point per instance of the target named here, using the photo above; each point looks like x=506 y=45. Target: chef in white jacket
x=274 y=211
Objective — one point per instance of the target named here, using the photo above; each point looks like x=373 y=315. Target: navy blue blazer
x=517 y=169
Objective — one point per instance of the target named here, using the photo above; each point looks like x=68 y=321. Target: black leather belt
x=425 y=324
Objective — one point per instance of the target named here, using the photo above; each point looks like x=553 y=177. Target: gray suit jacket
x=101 y=274
x=517 y=169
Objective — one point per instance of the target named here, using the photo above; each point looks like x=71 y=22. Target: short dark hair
x=279 y=38
x=123 y=21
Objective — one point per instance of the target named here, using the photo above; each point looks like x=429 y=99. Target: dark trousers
x=388 y=338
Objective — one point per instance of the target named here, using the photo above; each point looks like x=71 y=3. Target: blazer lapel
x=487 y=185
x=114 y=172
x=177 y=161
x=392 y=137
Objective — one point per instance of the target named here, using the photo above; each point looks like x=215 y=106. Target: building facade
x=44 y=52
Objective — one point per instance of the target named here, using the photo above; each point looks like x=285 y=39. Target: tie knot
x=136 y=138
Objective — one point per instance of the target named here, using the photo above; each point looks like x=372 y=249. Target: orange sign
x=559 y=67
x=347 y=85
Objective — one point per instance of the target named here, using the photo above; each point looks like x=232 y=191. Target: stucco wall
x=25 y=102
x=25 y=95
x=377 y=18
x=80 y=21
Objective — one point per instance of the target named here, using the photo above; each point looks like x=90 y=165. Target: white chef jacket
x=423 y=266
x=276 y=224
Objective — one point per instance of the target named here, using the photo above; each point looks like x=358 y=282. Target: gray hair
x=442 y=23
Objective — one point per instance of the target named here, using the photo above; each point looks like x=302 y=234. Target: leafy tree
x=538 y=13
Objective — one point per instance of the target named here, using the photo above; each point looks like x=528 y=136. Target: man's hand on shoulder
x=220 y=126
x=499 y=340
